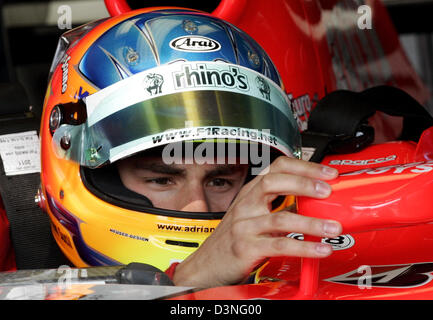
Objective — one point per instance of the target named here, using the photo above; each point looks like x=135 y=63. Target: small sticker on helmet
x=65 y=66
x=263 y=87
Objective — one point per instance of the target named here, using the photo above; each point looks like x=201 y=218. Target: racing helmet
x=122 y=85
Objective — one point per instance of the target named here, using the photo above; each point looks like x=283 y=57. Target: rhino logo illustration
x=264 y=88
x=153 y=83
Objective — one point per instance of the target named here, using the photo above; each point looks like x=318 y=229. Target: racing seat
x=339 y=122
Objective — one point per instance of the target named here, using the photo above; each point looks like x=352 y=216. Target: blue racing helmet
x=140 y=82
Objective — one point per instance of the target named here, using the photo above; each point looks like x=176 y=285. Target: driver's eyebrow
x=224 y=170
x=159 y=167
x=171 y=169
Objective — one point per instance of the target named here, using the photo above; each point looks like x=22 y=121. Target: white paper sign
x=20 y=153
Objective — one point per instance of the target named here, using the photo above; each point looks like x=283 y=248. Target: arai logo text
x=195 y=44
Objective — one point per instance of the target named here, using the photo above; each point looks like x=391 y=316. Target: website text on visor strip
x=212 y=100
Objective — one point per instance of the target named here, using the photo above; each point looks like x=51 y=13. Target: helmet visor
x=180 y=102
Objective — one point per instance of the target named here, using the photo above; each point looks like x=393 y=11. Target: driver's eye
x=219 y=182
x=160 y=181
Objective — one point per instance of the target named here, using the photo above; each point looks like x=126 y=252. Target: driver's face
x=183 y=187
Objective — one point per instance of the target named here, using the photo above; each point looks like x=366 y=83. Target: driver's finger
x=286 y=222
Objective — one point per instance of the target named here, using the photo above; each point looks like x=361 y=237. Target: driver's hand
x=249 y=232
